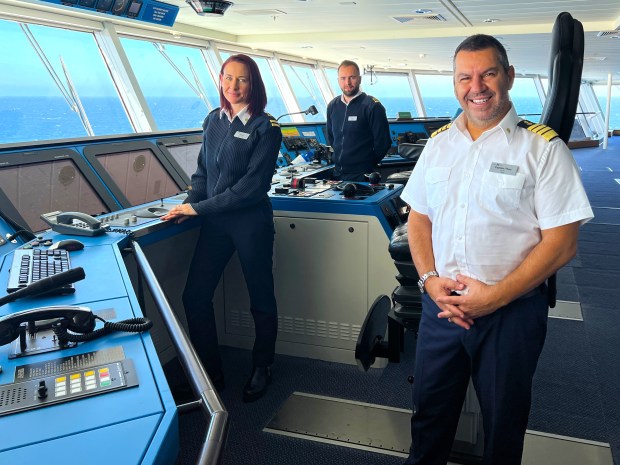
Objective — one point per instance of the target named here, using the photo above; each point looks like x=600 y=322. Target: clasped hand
x=462 y=309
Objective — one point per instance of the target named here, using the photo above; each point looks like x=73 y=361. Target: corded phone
x=63 y=319
x=77 y=319
x=73 y=223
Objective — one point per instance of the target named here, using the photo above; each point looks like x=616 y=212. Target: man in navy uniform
x=357 y=127
x=496 y=205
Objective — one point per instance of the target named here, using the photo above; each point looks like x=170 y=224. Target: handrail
x=211 y=450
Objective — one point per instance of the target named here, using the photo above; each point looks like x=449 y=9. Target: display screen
x=186 y=156
x=139 y=175
x=134 y=9
x=43 y=187
x=104 y=5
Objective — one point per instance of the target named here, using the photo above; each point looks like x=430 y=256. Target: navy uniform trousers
x=251 y=233
x=500 y=353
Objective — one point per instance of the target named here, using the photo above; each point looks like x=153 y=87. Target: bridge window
x=525 y=99
x=332 y=80
x=392 y=90
x=175 y=82
x=438 y=95
x=306 y=89
x=614 y=114
x=54 y=84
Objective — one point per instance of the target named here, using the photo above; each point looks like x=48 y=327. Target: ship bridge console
x=107 y=194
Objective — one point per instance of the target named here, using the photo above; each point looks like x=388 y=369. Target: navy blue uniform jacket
x=235 y=164
x=358 y=132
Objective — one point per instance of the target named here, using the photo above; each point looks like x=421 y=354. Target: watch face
x=119 y=7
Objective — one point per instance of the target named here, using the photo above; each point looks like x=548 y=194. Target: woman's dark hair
x=258 y=95
x=479 y=42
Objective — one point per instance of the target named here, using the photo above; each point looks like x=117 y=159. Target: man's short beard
x=351 y=93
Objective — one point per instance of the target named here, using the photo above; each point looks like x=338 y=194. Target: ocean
x=24 y=119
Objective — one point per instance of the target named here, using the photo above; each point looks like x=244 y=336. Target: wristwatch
x=423 y=279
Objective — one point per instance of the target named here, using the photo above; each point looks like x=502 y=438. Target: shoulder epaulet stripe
x=374 y=99
x=273 y=121
x=441 y=129
x=540 y=129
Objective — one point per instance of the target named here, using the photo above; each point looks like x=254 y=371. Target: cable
x=132 y=325
x=28 y=235
x=128 y=232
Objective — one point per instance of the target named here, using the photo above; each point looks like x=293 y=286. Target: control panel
x=143 y=214
x=312 y=180
x=303 y=143
x=66 y=386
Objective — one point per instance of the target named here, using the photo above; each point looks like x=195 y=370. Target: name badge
x=502 y=168
x=241 y=135
x=352 y=118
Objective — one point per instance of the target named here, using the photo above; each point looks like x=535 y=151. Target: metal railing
x=208 y=399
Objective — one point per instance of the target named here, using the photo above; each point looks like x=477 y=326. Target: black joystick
x=42 y=390
x=374 y=178
x=349 y=190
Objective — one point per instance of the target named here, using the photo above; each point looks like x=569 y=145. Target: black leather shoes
x=256 y=387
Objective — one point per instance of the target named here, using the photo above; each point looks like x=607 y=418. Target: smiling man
x=496 y=205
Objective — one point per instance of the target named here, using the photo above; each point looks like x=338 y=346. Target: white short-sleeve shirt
x=489 y=199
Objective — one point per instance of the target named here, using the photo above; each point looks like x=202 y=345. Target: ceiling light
x=491 y=20
x=210 y=8
x=423 y=11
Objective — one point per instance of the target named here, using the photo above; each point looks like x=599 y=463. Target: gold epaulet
x=441 y=129
x=273 y=121
x=539 y=129
x=374 y=99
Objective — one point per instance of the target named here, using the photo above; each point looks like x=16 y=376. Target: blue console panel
x=139 y=417
x=138 y=421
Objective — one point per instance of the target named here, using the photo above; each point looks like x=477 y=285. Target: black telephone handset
x=73 y=223
x=77 y=319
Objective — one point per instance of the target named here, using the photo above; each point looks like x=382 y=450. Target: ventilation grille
x=12 y=395
x=406 y=19
x=242 y=322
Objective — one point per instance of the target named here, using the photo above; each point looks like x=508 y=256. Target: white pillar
x=607 y=111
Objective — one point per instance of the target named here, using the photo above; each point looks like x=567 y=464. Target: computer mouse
x=68 y=245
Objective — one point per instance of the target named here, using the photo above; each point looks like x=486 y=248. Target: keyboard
x=31 y=265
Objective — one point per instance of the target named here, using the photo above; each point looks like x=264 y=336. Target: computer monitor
x=183 y=152
x=136 y=172
x=47 y=180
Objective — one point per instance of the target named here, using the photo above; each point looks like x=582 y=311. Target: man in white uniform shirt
x=496 y=205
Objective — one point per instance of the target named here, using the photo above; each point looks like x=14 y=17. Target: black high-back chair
x=566 y=65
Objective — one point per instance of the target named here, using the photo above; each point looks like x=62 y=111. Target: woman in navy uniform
x=229 y=193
